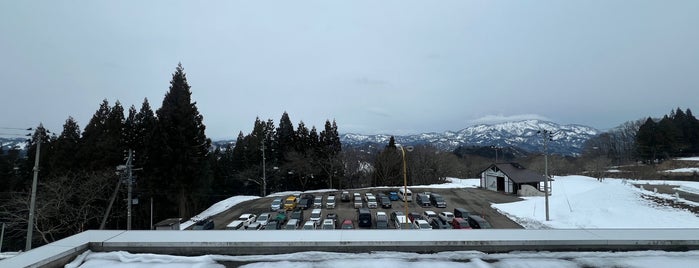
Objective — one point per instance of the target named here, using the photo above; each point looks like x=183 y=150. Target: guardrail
x=276 y=242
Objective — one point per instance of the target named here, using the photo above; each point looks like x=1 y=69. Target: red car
x=460 y=223
x=347 y=224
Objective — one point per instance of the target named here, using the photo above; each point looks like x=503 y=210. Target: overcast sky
x=391 y=67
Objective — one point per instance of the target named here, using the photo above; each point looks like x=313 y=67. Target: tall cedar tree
x=182 y=146
x=65 y=148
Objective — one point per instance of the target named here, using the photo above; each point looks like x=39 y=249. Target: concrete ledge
x=276 y=242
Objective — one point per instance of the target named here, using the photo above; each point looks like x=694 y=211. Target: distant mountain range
x=566 y=139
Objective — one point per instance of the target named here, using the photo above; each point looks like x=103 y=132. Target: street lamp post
x=405 y=181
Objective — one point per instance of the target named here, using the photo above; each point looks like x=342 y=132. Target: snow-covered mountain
x=13 y=143
x=565 y=139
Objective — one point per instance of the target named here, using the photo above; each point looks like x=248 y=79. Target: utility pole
x=547 y=136
x=32 y=204
x=264 y=171
x=129 y=175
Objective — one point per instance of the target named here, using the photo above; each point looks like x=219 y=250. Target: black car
x=345 y=196
x=306 y=202
x=476 y=222
x=364 y=218
x=206 y=224
x=438 y=201
x=273 y=224
x=438 y=223
x=423 y=200
x=384 y=201
x=297 y=214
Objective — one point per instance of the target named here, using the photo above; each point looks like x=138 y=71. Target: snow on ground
x=584 y=202
x=217 y=208
x=397 y=259
x=682 y=170
x=8 y=254
x=696 y=158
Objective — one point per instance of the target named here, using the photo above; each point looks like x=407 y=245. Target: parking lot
x=477 y=201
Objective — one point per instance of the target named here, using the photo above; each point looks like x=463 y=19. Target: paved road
x=477 y=201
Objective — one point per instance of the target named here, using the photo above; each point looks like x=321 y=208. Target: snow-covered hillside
x=566 y=140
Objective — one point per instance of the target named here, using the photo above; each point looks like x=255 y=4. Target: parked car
x=318 y=202
x=461 y=213
x=381 y=220
x=371 y=201
x=264 y=218
x=247 y=219
x=205 y=224
x=297 y=214
x=476 y=222
x=413 y=216
x=401 y=221
x=281 y=216
x=306 y=201
x=393 y=195
x=347 y=224
x=273 y=224
x=316 y=215
x=276 y=204
x=405 y=195
x=331 y=216
x=290 y=202
x=328 y=224
x=421 y=225
x=358 y=202
x=395 y=214
x=292 y=224
x=460 y=223
x=330 y=203
x=429 y=214
x=438 y=201
x=310 y=225
x=446 y=216
x=384 y=201
x=345 y=196
x=438 y=223
x=364 y=218
x=423 y=200
x=254 y=226
x=235 y=225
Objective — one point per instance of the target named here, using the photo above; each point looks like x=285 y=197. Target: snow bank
x=399 y=259
x=696 y=158
x=682 y=170
x=584 y=202
x=217 y=208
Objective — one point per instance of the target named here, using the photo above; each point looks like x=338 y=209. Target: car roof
x=380 y=213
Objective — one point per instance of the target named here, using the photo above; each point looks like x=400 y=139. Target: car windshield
x=262 y=217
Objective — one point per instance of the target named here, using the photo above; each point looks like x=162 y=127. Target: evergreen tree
x=285 y=136
x=143 y=127
x=388 y=166
x=92 y=146
x=181 y=146
x=66 y=147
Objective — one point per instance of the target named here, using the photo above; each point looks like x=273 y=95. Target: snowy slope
x=567 y=139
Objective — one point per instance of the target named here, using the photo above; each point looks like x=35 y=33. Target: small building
x=510 y=177
x=168 y=224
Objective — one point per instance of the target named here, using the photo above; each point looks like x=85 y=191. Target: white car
x=330 y=203
x=421 y=225
x=446 y=216
x=328 y=224
x=247 y=219
x=264 y=218
x=428 y=214
x=316 y=214
x=371 y=201
x=310 y=225
x=254 y=226
x=276 y=204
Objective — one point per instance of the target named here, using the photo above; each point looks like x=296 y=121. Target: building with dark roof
x=510 y=177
